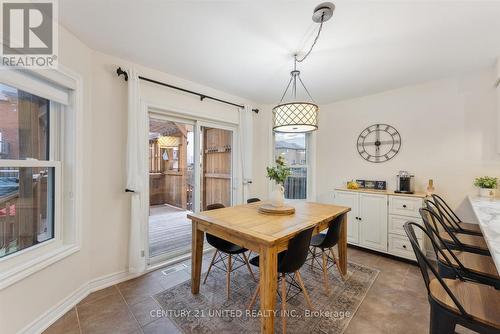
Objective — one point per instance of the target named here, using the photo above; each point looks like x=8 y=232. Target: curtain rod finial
x=119 y=72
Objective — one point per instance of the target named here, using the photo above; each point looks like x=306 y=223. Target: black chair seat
x=255 y=260
x=224 y=245
x=318 y=239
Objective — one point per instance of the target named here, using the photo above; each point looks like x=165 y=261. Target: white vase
x=487 y=192
x=278 y=196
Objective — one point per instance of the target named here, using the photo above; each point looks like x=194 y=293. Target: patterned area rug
x=212 y=312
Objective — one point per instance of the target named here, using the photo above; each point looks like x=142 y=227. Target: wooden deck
x=169 y=230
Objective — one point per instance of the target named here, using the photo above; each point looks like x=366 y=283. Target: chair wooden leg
x=283 y=302
x=325 y=271
x=336 y=261
x=313 y=257
x=249 y=268
x=254 y=297
x=210 y=266
x=228 y=279
x=303 y=287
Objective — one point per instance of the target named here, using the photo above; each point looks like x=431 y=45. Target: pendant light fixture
x=297 y=116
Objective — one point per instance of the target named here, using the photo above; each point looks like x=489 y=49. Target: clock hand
x=387 y=142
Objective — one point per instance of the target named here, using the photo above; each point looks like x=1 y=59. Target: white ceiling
x=245 y=47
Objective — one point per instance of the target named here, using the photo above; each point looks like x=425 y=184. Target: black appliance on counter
x=405 y=183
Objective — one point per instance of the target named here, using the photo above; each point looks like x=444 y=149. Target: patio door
x=217 y=166
x=190 y=167
x=171 y=186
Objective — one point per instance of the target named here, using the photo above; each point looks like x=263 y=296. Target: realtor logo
x=29 y=33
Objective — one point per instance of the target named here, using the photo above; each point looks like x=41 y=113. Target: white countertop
x=488 y=214
x=381 y=192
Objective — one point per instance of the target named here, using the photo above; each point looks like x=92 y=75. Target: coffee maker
x=405 y=183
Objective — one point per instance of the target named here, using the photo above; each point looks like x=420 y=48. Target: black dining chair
x=476 y=267
x=455 y=301
x=253 y=200
x=452 y=220
x=289 y=263
x=325 y=242
x=458 y=241
x=226 y=250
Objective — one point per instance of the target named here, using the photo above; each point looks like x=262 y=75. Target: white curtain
x=497 y=83
x=246 y=146
x=136 y=174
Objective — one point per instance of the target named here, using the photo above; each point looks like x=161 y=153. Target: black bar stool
x=459 y=241
x=454 y=222
x=226 y=250
x=289 y=263
x=479 y=268
x=455 y=301
x=325 y=242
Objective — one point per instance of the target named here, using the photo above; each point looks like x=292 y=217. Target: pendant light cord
x=313 y=44
x=295 y=73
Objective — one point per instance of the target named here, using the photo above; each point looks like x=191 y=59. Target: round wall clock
x=379 y=143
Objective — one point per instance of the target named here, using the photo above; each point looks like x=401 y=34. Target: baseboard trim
x=48 y=318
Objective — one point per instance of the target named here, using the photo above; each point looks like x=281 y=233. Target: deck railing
x=8 y=224
x=296 y=187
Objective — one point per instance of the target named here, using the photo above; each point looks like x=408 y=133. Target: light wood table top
x=246 y=221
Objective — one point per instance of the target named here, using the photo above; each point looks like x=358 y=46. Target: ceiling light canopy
x=294 y=115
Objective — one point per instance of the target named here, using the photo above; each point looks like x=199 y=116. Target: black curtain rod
x=119 y=72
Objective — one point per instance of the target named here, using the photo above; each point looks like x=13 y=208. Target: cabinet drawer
x=400 y=246
x=406 y=206
x=396 y=223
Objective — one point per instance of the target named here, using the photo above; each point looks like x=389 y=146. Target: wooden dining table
x=266 y=235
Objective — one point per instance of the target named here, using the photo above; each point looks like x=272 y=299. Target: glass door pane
x=171 y=187
x=217 y=166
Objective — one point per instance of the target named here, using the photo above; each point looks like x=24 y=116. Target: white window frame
x=310 y=164
x=65 y=158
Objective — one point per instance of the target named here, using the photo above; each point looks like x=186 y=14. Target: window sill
x=20 y=272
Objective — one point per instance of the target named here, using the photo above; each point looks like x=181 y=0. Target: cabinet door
x=373 y=223
x=349 y=199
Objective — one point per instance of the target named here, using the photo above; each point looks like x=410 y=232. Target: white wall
x=106 y=206
x=448 y=132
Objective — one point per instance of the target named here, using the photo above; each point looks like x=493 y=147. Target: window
x=40 y=147
x=293 y=147
x=27 y=170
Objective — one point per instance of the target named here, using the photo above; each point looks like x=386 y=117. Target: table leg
x=268 y=284
x=342 y=245
x=196 y=257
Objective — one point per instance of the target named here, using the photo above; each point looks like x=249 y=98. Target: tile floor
x=396 y=303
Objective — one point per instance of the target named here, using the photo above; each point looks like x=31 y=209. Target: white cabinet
x=367 y=220
x=376 y=220
x=405 y=206
x=373 y=221
x=350 y=199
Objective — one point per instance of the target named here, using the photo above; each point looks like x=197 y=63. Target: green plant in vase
x=487 y=185
x=278 y=174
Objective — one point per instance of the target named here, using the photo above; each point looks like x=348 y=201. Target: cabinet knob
x=404 y=246
x=404 y=206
